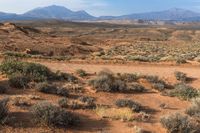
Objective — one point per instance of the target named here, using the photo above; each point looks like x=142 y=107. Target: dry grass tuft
x=124 y=114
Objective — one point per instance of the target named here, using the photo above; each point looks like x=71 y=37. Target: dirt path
x=164 y=71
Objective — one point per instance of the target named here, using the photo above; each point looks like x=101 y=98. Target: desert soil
x=90 y=122
x=165 y=71
x=151 y=100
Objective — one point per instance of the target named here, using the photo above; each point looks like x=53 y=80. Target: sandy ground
x=151 y=100
x=165 y=71
x=90 y=122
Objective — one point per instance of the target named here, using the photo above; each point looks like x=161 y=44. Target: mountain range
x=62 y=13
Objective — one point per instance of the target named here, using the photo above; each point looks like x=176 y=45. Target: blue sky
x=101 y=7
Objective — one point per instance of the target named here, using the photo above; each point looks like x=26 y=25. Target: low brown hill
x=11 y=27
x=22 y=38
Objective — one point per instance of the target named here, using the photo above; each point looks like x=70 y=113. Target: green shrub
x=62 y=92
x=157 y=83
x=17 y=54
x=3 y=110
x=176 y=123
x=64 y=76
x=105 y=81
x=119 y=86
x=184 y=91
x=139 y=58
x=51 y=115
x=149 y=58
x=159 y=86
x=82 y=102
x=63 y=102
x=129 y=77
x=88 y=101
x=194 y=109
x=152 y=79
x=134 y=106
x=180 y=76
x=75 y=105
x=181 y=61
x=81 y=72
x=108 y=82
x=135 y=87
x=35 y=71
x=46 y=88
x=51 y=89
x=19 y=81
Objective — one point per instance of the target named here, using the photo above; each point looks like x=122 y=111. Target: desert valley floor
x=94 y=66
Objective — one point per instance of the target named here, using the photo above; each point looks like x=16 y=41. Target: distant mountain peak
x=180 y=10
x=62 y=13
x=55 y=6
x=165 y=15
x=177 y=9
x=58 y=12
x=50 y=8
x=82 y=11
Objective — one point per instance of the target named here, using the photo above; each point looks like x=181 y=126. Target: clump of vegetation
x=17 y=54
x=19 y=81
x=184 y=91
x=75 y=105
x=21 y=102
x=62 y=92
x=63 y=102
x=35 y=71
x=181 y=61
x=46 y=88
x=88 y=101
x=181 y=76
x=127 y=77
x=135 y=87
x=134 y=106
x=194 y=109
x=143 y=58
x=51 y=89
x=65 y=76
x=66 y=103
x=143 y=116
x=2 y=89
x=154 y=80
x=159 y=86
x=124 y=114
x=82 y=103
x=81 y=72
x=3 y=110
x=106 y=81
x=157 y=83
x=51 y=115
x=177 y=123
